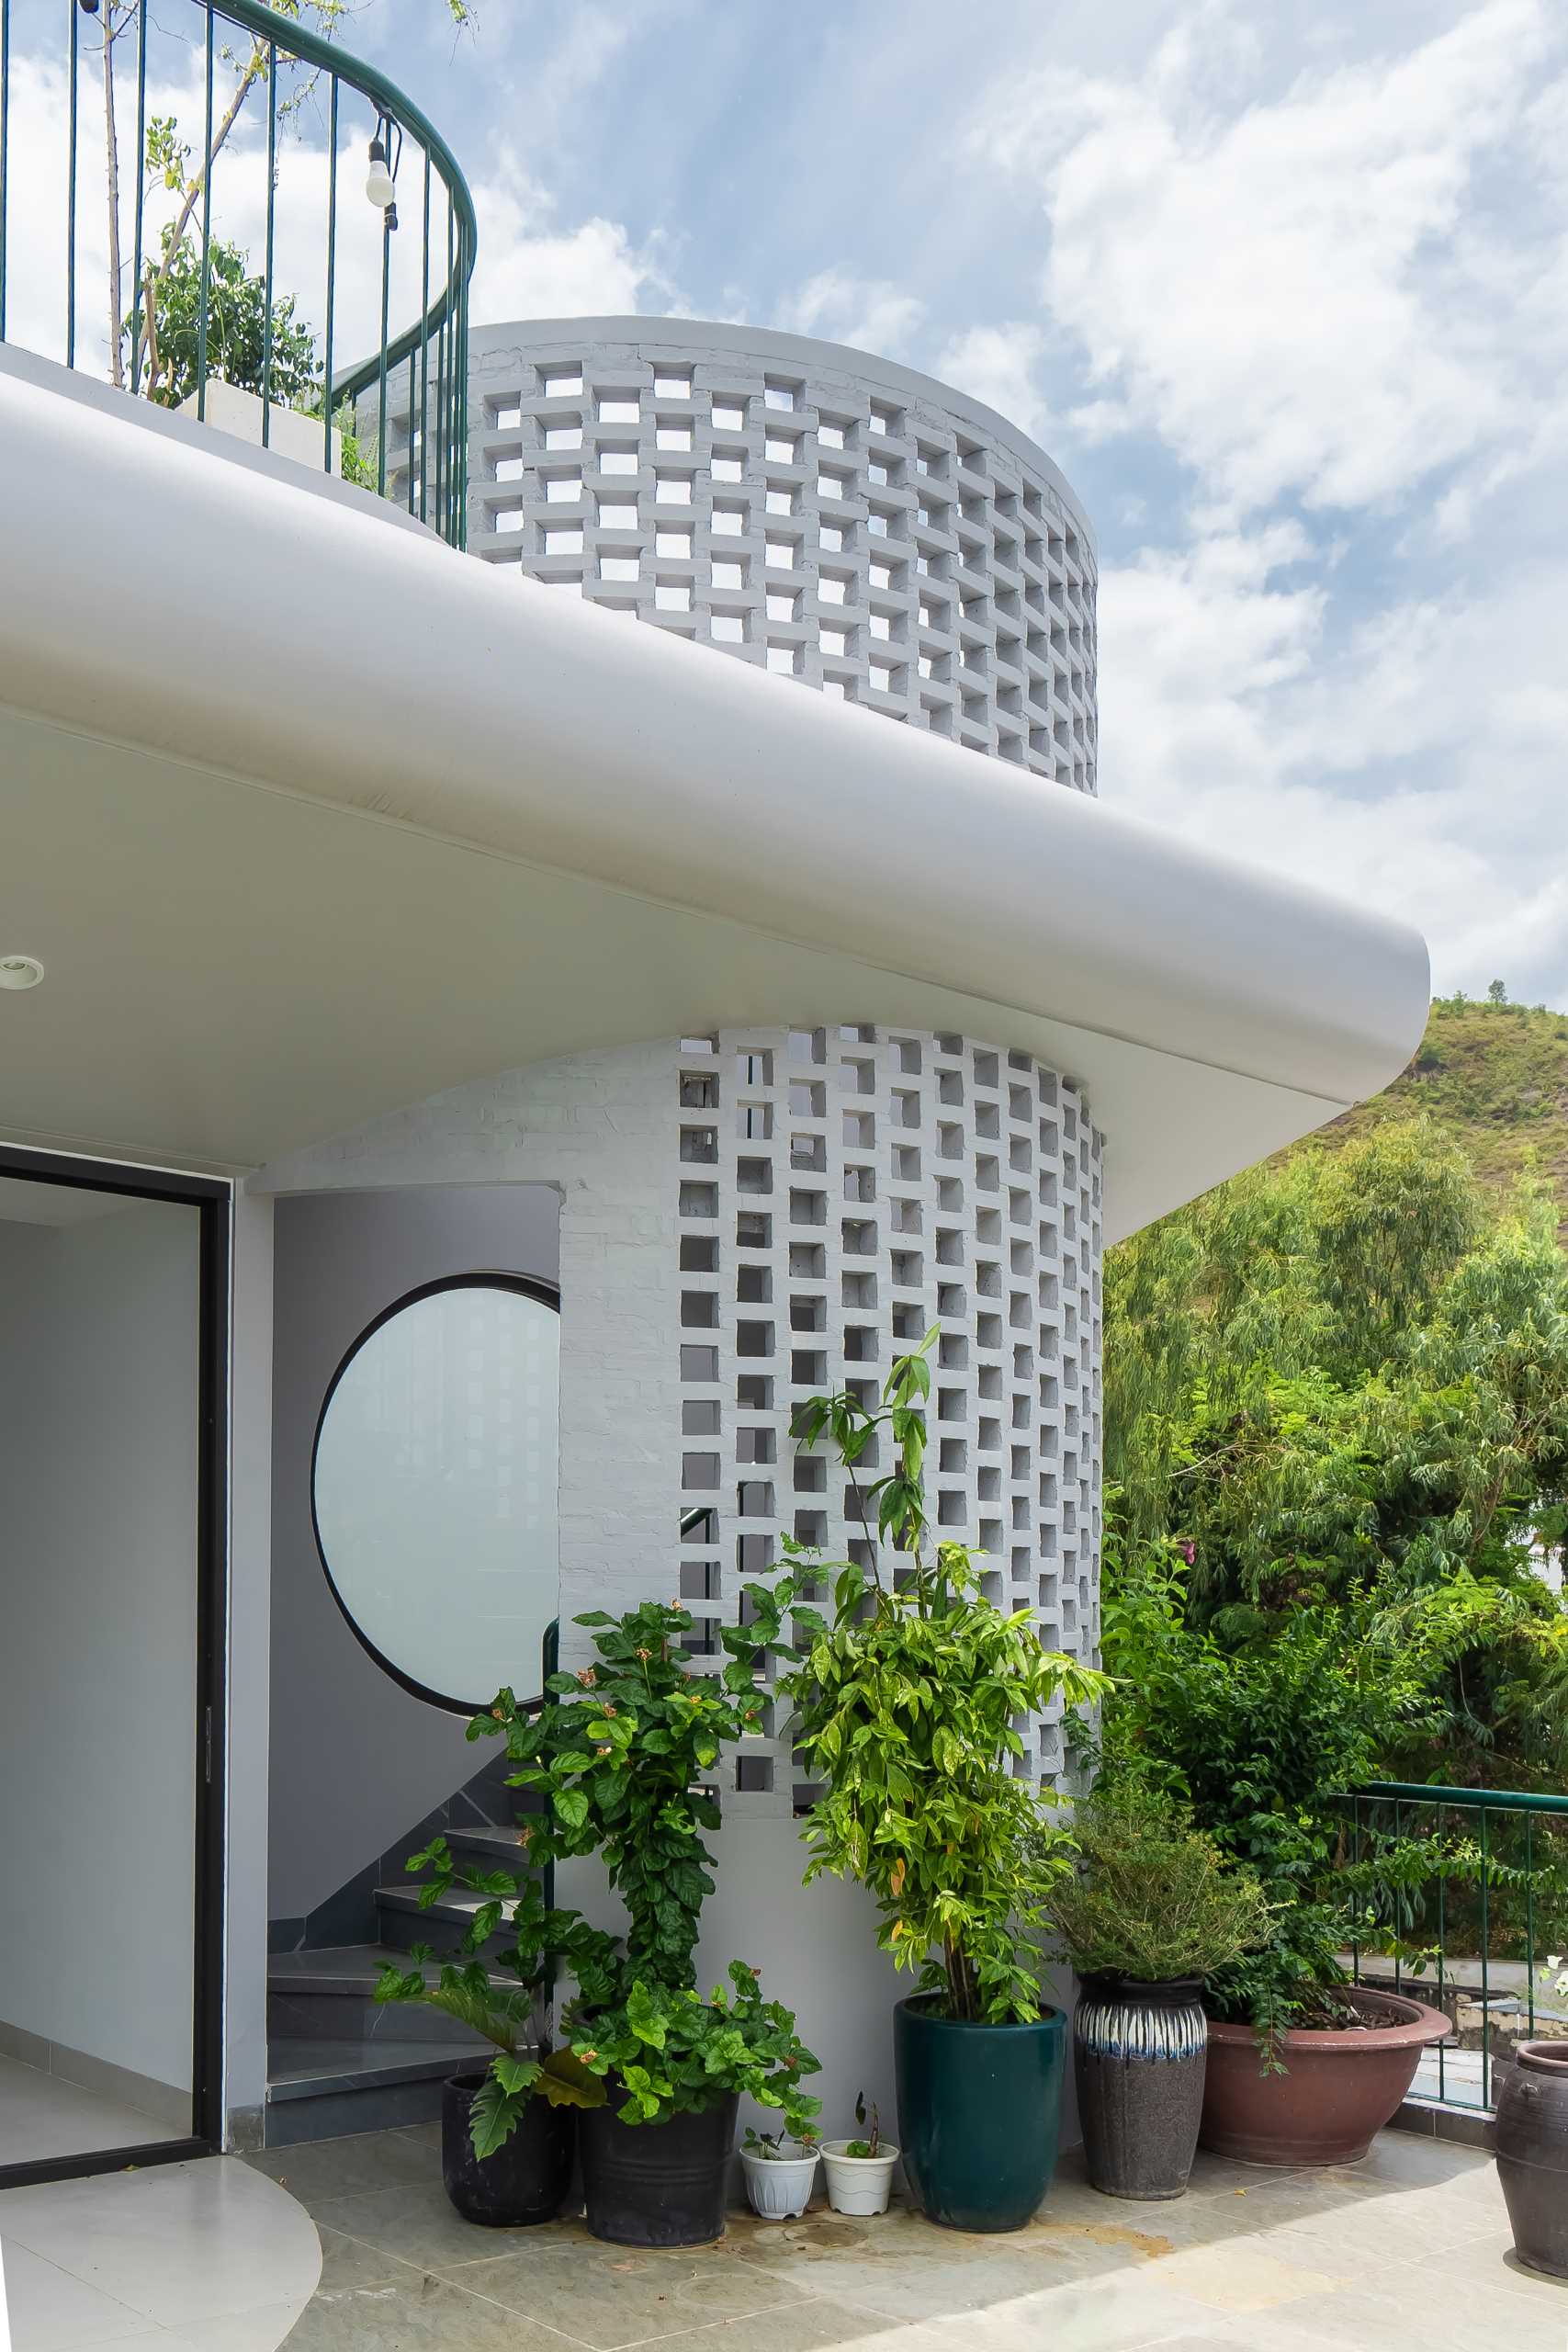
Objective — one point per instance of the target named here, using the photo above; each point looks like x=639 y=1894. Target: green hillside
x=1495 y=1077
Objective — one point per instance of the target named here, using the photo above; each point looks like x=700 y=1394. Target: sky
x=1282 y=289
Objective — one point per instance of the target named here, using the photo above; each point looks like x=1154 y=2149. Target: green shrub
x=1153 y=1898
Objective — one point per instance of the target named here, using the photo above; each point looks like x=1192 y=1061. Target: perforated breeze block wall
x=841 y=1193
x=822 y=513
x=754 y=1216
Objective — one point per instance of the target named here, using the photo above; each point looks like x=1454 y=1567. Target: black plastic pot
x=979 y=2109
x=656 y=2184
x=526 y=2181
x=1140 y=2053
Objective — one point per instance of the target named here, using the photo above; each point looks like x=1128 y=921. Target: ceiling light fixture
x=20 y=971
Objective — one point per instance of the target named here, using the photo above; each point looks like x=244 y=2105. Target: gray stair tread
x=315 y=2069
x=341 y=1968
x=489 y=1837
x=459 y=1903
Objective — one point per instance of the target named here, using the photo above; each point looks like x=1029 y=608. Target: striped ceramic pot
x=1140 y=2052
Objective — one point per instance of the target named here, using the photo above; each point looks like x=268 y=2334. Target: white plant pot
x=859 y=2184
x=780 y=2187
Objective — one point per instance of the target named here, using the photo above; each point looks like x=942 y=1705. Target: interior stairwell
x=337 y=2061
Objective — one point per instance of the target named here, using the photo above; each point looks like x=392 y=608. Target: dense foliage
x=906 y=1700
x=1340 y=1386
x=1152 y=1897
x=236 y=344
x=622 y=1755
x=1337 y=1417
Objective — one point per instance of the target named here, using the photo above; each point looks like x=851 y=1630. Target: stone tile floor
x=1406 y=2252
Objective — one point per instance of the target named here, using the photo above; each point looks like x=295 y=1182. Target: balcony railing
x=243 y=219
x=1483 y=1922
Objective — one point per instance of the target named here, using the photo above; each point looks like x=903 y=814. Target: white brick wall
x=812 y=510
x=753 y=1216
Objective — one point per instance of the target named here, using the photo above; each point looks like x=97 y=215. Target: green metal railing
x=409 y=397
x=1496 y=1896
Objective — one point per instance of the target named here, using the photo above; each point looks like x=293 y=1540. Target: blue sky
x=1283 y=290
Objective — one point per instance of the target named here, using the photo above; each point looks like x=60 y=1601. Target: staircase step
x=490 y=1847
x=405 y=1922
x=330 y=1996
x=319 y=2089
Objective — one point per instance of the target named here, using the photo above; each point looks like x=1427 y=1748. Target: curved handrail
x=433 y=466
x=257 y=17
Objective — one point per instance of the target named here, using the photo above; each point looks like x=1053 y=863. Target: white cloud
x=1416 y=764
x=531 y=263
x=1335 y=303
x=531 y=266
x=996 y=364
x=869 y=314
x=1320 y=292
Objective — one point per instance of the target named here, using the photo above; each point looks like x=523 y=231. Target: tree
x=1495 y=992
x=1335 y=1390
x=236 y=331
x=166 y=162
x=1318 y=1264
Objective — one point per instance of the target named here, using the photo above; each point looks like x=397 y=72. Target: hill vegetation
x=1493 y=1076
x=1337 y=1408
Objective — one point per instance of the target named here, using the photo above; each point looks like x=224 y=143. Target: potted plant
x=622 y=1755
x=506 y=2130
x=781 y=2172
x=1263 y=1736
x=860 y=2172
x=904 y=1699
x=1154 y=1909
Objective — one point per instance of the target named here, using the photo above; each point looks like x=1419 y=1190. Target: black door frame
x=213 y=1198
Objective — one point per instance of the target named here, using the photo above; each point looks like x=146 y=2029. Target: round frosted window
x=433 y=1488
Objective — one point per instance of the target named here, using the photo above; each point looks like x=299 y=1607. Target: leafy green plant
x=1153 y=1898
x=906 y=1699
x=674 y=2053
x=233 y=299
x=622 y=1757
x=781 y=2146
x=1263 y=1739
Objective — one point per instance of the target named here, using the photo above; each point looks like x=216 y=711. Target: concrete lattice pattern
x=841 y=1193
x=813 y=511
x=809 y=1202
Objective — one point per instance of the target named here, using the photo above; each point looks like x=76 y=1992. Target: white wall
x=610 y=1129
x=98 y=1465
x=357 y=1761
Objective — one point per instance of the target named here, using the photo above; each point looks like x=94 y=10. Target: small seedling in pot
x=871 y=2144
x=781 y=2145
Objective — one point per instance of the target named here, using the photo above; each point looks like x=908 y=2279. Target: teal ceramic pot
x=979 y=2111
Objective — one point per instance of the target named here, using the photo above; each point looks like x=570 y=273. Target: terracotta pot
x=1339 y=2089
x=1532 y=2140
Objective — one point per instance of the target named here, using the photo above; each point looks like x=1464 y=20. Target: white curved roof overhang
x=309 y=818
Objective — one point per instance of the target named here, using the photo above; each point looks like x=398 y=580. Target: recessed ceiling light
x=20 y=971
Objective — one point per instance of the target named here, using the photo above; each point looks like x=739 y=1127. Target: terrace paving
x=1407 y=2251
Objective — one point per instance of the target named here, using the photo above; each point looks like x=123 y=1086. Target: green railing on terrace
x=144 y=155
x=1495 y=1903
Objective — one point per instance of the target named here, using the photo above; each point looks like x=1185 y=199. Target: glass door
x=112 y=1293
